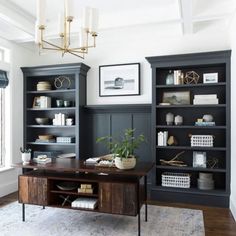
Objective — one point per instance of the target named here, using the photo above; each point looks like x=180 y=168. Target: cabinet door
x=105 y=197
x=130 y=199
x=33 y=190
x=118 y=198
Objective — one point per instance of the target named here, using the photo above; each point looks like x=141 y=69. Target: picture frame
x=36 y=102
x=119 y=80
x=199 y=159
x=176 y=98
x=209 y=78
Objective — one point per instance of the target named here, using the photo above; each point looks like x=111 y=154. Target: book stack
x=88 y=203
x=42 y=159
x=178 y=77
x=162 y=138
x=45 y=102
x=60 y=119
x=205 y=123
x=204 y=99
x=65 y=139
x=85 y=188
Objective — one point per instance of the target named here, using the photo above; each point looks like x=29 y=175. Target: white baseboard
x=8 y=188
x=233 y=208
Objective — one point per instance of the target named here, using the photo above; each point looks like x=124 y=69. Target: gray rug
x=163 y=221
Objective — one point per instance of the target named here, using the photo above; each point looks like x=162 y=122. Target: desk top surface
x=74 y=165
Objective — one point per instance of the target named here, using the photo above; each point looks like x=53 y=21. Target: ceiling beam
x=186 y=12
x=17 y=17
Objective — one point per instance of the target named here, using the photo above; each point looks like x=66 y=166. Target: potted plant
x=124 y=148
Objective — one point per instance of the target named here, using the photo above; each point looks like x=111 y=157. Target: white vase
x=26 y=157
x=125 y=163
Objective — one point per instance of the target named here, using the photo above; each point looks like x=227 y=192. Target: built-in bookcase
x=75 y=93
x=201 y=63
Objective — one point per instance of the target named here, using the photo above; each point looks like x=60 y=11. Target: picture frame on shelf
x=176 y=98
x=199 y=159
x=209 y=78
x=119 y=80
x=37 y=102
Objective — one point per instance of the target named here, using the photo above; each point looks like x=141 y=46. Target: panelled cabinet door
x=33 y=190
x=118 y=198
x=124 y=199
x=130 y=199
x=105 y=197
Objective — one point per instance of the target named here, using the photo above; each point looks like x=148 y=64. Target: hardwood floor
x=218 y=221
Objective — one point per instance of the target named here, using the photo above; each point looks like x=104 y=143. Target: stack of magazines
x=42 y=159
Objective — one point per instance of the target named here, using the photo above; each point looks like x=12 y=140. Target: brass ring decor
x=62 y=82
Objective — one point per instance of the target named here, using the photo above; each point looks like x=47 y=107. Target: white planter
x=125 y=163
x=26 y=157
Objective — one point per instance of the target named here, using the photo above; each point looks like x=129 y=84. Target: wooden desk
x=118 y=191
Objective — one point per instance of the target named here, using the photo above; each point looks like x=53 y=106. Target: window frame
x=2 y=129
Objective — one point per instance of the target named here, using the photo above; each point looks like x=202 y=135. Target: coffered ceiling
x=17 y=17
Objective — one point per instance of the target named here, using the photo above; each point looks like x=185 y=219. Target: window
x=2 y=127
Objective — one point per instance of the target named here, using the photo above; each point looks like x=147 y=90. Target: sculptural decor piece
x=119 y=80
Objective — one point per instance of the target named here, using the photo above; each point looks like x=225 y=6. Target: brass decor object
x=191 y=77
x=87 y=33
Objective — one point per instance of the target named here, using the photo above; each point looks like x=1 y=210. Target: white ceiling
x=17 y=17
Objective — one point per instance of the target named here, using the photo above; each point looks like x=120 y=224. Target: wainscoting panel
x=112 y=120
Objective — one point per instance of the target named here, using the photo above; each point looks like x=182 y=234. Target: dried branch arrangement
x=174 y=161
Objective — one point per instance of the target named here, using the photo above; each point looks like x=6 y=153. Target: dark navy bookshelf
x=209 y=62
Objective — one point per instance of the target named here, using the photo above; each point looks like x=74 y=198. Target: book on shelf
x=45 y=141
x=87 y=203
x=45 y=102
x=205 y=123
x=162 y=138
x=204 y=99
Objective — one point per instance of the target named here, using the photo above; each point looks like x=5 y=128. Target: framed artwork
x=36 y=102
x=210 y=78
x=176 y=98
x=119 y=80
x=199 y=159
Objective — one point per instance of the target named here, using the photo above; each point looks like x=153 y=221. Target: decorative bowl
x=45 y=136
x=42 y=121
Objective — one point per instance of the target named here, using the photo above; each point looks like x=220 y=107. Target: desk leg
x=23 y=212
x=145 y=190
x=138 y=207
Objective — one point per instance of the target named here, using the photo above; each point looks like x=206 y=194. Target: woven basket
x=176 y=180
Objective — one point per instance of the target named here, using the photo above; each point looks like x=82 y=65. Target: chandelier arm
x=53 y=45
x=72 y=53
x=76 y=51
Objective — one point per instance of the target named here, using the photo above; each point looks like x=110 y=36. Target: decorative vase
x=170 y=78
x=125 y=163
x=169 y=118
x=207 y=118
x=26 y=157
x=178 y=120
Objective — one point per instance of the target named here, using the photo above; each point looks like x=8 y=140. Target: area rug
x=163 y=221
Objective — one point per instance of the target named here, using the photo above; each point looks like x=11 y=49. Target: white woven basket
x=176 y=180
x=202 y=141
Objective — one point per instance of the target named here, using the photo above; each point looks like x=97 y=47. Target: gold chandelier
x=87 y=32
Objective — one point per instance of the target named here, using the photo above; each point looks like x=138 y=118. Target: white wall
x=133 y=45
x=19 y=57
x=233 y=118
